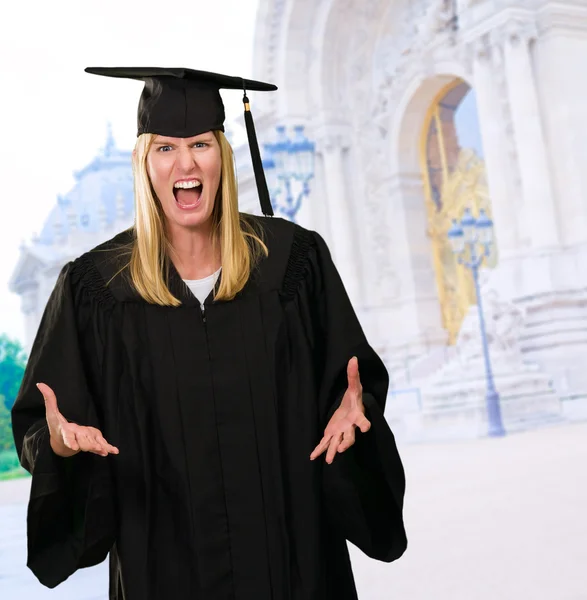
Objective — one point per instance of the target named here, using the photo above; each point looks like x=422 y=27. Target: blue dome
x=103 y=182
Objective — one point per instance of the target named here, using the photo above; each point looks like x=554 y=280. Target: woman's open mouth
x=188 y=193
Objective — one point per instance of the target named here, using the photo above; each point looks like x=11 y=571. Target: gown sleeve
x=364 y=486
x=70 y=521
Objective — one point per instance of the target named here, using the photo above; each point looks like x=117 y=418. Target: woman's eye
x=196 y=145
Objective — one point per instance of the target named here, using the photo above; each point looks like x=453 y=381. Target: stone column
x=419 y=315
x=343 y=241
x=494 y=141
x=539 y=221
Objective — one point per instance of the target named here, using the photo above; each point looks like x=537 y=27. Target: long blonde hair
x=240 y=244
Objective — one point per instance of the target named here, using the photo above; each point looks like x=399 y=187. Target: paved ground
x=489 y=519
x=16 y=581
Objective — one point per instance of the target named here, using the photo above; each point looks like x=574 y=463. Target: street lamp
x=289 y=167
x=471 y=242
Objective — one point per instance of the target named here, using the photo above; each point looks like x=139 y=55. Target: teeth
x=186 y=185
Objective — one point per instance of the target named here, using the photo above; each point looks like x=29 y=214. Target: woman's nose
x=186 y=160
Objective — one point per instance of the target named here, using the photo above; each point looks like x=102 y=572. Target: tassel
x=262 y=189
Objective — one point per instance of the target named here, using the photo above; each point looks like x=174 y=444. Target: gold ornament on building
x=454 y=178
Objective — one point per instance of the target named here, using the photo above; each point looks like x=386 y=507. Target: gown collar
x=182 y=292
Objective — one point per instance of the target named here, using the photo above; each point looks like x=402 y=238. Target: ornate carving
x=517 y=32
x=371 y=81
x=357 y=31
x=503 y=325
x=378 y=71
x=328 y=140
x=379 y=197
x=385 y=282
x=436 y=17
x=390 y=68
x=411 y=49
x=481 y=49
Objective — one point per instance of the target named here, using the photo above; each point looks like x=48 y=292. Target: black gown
x=213 y=495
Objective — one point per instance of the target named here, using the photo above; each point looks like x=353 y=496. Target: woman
x=193 y=369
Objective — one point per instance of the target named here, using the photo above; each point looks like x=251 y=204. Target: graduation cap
x=186 y=103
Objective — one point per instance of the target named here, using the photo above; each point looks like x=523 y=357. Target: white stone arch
x=409 y=202
x=300 y=45
x=306 y=54
x=320 y=54
x=303 y=46
x=408 y=117
x=340 y=27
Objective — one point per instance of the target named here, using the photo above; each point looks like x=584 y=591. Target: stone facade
x=361 y=75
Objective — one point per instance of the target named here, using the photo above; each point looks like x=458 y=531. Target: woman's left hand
x=339 y=434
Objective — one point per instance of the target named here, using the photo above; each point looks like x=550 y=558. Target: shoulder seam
x=296 y=264
x=85 y=274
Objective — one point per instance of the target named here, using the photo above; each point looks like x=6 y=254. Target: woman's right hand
x=67 y=439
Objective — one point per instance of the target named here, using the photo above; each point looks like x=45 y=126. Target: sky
x=53 y=116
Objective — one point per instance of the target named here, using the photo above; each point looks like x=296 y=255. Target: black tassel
x=262 y=189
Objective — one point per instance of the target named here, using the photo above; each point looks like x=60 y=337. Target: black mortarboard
x=185 y=103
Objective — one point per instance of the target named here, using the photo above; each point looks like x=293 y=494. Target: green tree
x=6 y=439
x=12 y=365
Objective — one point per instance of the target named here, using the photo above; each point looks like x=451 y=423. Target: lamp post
x=289 y=167
x=471 y=241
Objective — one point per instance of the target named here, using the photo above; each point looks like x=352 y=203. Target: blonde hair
x=241 y=245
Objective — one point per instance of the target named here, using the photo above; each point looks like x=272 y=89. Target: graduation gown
x=215 y=413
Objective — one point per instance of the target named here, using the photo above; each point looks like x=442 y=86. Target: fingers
x=49 y=396
x=333 y=447
x=348 y=439
x=69 y=439
x=340 y=441
x=109 y=447
x=329 y=443
x=354 y=380
x=88 y=443
x=91 y=439
x=321 y=447
x=75 y=437
x=55 y=419
x=87 y=439
x=363 y=424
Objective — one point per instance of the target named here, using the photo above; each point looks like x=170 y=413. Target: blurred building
x=419 y=109
x=99 y=205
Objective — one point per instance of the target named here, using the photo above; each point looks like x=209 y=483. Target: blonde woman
x=191 y=401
